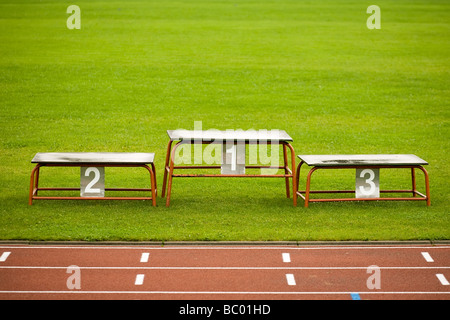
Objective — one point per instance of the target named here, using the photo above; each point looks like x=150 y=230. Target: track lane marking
x=442 y=279
x=4 y=256
x=139 y=280
x=224 y=268
x=229 y=292
x=286 y=257
x=427 y=257
x=290 y=279
x=144 y=257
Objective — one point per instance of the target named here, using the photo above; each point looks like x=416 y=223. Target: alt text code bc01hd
x=246 y=309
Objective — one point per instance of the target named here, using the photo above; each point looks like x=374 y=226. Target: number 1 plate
x=367 y=183
x=92 y=182
x=233 y=158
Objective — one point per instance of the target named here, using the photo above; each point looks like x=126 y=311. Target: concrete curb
x=226 y=243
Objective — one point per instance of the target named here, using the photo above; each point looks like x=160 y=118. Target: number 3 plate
x=92 y=182
x=367 y=183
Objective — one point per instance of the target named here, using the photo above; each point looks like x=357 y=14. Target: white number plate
x=367 y=183
x=233 y=158
x=92 y=182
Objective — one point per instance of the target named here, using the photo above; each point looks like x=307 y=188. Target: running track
x=225 y=273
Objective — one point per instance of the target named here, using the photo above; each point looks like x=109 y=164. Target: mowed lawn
x=138 y=68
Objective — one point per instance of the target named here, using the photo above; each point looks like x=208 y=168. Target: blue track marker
x=355 y=296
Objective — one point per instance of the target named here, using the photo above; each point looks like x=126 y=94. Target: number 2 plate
x=92 y=182
x=367 y=183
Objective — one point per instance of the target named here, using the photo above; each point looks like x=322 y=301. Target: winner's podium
x=367 y=185
x=92 y=179
x=232 y=143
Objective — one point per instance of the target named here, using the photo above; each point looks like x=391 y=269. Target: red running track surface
x=225 y=273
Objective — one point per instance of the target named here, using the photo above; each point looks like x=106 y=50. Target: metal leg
x=308 y=186
x=34 y=180
x=36 y=184
x=413 y=177
x=297 y=180
x=152 y=183
x=154 y=178
x=427 y=185
x=169 y=186
x=163 y=193
x=293 y=170
x=288 y=193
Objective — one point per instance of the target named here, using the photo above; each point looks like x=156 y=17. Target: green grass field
x=138 y=68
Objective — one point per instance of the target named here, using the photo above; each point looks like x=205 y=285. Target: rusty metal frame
x=34 y=183
x=416 y=195
x=169 y=168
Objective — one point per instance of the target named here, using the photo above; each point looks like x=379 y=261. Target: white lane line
x=290 y=279
x=427 y=257
x=442 y=279
x=224 y=268
x=286 y=257
x=229 y=292
x=139 y=280
x=144 y=257
x=206 y=247
x=4 y=256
